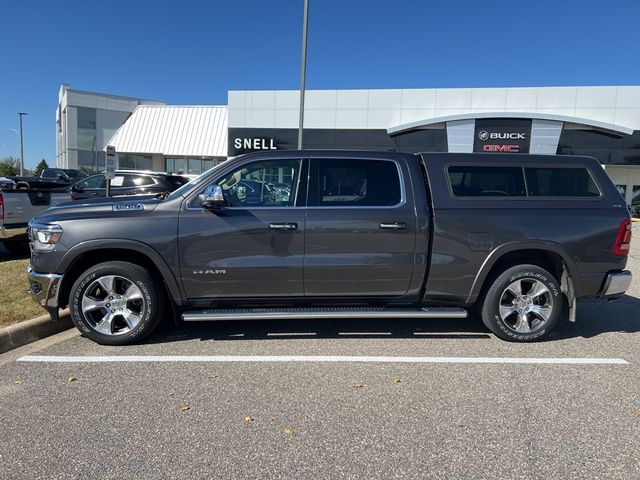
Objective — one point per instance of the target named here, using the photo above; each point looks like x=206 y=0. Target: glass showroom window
x=134 y=162
x=90 y=162
x=635 y=197
x=86 y=128
x=190 y=166
x=176 y=165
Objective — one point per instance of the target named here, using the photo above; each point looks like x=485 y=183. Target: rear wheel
x=523 y=304
x=116 y=303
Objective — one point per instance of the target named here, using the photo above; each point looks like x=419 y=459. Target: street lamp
x=21 y=114
x=303 y=70
x=19 y=137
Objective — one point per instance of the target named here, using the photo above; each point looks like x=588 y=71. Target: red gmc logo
x=501 y=148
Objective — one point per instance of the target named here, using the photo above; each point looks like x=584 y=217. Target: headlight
x=44 y=237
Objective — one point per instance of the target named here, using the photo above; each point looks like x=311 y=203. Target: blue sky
x=193 y=52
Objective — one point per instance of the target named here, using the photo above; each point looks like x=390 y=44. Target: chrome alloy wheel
x=526 y=305
x=113 y=305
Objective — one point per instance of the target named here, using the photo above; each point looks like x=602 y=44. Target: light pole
x=303 y=71
x=21 y=114
x=16 y=132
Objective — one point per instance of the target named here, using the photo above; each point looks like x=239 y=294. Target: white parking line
x=316 y=358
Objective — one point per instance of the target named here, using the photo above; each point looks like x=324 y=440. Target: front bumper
x=12 y=232
x=616 y=283
x=44 y=287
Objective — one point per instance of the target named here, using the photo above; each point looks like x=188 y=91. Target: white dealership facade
x=599 y=121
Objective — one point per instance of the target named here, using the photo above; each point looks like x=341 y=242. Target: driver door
x=254 y=246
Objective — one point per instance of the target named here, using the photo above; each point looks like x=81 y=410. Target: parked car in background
x=66 y=175
x=49 y=178
x=17 y=207
x=127 y=182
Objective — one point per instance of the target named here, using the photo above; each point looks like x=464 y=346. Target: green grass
x=16 y=304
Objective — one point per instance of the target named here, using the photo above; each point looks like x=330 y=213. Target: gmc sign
x=511 y=135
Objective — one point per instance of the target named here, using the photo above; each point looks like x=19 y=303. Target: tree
x=40 y=167
x=9 y=166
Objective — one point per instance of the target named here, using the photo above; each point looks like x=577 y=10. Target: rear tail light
x=623 y=240
x=1 y=207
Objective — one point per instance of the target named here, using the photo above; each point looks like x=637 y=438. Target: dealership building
x=602 y=122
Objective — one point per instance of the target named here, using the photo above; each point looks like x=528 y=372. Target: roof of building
x=181 y=130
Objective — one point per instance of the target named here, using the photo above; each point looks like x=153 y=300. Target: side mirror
x=212 y=198
x=77 y=188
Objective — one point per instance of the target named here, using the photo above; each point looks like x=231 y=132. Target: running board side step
x=321 y=313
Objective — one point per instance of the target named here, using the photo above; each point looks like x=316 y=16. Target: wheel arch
x=546 y=255
x=87 y=254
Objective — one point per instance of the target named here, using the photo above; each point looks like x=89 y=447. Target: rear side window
x=354 y=182
x=137 y=181
x=472 y=181
x=175 y=181
x=560 y=182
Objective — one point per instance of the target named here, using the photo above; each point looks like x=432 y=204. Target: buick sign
x=510 y=135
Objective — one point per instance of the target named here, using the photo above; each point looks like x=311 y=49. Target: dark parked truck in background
x=50 y=178
x=517 y=238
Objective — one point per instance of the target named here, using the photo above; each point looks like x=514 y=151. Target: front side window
x=270 y=183
x=479 y=181
x=355 y=182
x=560 y=182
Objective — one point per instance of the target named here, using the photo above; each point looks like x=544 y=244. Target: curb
x=29 y=331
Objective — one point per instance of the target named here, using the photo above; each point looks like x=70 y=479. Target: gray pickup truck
x=325 y=234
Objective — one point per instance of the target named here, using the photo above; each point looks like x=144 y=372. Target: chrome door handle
x=393 y=226
x=283 y=226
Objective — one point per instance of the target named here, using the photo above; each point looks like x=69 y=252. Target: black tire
x=20 y=248
x=148 y=306
x=536 y=308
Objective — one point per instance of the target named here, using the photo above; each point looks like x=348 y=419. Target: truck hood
x=99 y=208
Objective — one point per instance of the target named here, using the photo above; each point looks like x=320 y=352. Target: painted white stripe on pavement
x=314 y=358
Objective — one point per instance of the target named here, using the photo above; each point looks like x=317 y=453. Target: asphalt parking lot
x=569 y=408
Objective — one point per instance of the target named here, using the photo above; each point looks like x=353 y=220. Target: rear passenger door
x=361 y=227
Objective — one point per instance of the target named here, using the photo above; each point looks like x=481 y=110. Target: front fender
x=70 y=257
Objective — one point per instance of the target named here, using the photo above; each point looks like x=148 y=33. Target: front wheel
x=523 y=304
x=116 y=303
